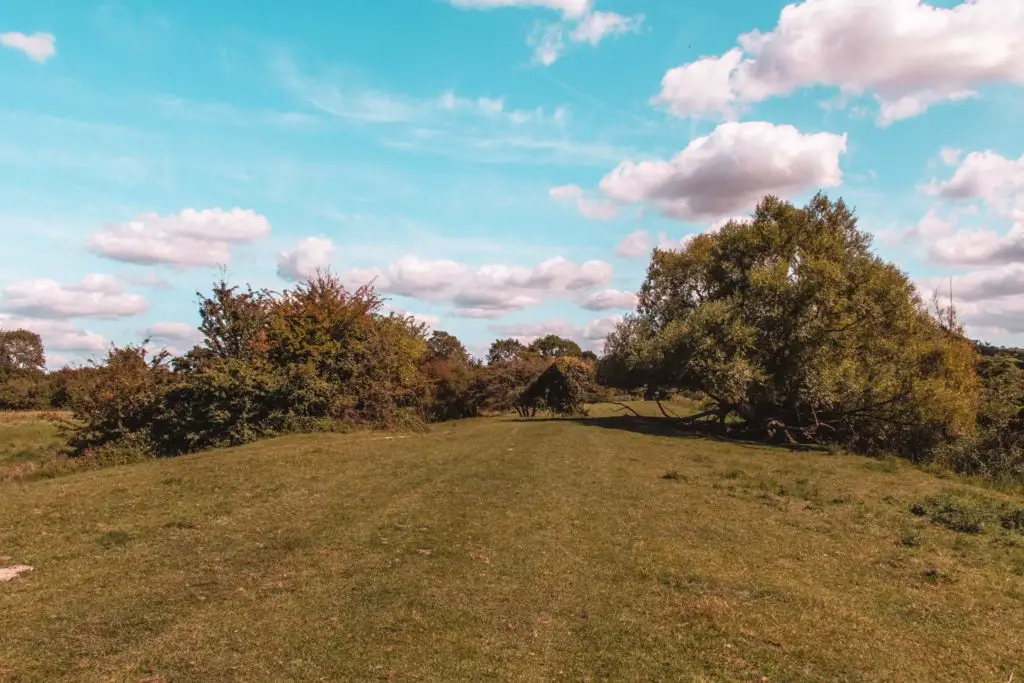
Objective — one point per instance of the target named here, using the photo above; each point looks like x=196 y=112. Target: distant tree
x=499 y=387
x=589 y=356
x=790 y=324
x=564 y=388
x=446 y=347
x=505 y=350
x=553 y=346
x=21 y=351
x=23 y=382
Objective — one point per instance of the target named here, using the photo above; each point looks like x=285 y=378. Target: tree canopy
x=793 y=327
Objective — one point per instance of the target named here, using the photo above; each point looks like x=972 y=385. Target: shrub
x=120 y=400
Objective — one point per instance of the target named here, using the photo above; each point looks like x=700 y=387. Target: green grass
x=508 y=550
x=30 y=442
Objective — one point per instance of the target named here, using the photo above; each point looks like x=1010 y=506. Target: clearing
x=504 y=549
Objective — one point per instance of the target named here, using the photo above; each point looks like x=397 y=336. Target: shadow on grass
x=660 y=426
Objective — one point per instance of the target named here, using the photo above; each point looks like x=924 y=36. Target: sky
x=496 y=167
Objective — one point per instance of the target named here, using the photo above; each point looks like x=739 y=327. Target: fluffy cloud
x=189 y=239
x=58 y=335
x=998 y=183
x=980 y=247
x=38 y=47
x=486 y=292
x=635 y=244
x=96 y=296
x=909 y=54
x=988 y=176
x=308 y=256
x=609 y=299
x=730 y=169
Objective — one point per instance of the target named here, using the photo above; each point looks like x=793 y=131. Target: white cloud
x=593 y=209
x=174 y=332
x=931 y=226
x=566 y=192
x=950 y=155
x=597 y=26
x=189 y=239
x=609 y=299
x=909 y=54
x=549 y=40
x=38 y=47
x=571 y=9
x=58 y=335
x=702 y=87
x=548 y=43
x=988 y=176
x=998 y=183
x=96 y=296
x=730 y=170
x=308 y=256
x=635 y=244
x=175 y=337
x=980 y=247
x=486 y=292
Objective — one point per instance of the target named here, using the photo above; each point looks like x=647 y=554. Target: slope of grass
x=510 y=550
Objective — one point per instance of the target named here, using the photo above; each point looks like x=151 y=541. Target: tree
x=446 y=347
x=553 y=346
x=23 y=382
x=20 y=351
x=791 y=325
x=565 y=387
x=233 y=321
x=505 y=350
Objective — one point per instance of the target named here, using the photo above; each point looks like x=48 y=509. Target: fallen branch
x=623 y=406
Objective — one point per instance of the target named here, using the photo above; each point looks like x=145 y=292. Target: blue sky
x=502 y=167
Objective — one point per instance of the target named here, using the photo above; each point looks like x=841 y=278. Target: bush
x=121 y=400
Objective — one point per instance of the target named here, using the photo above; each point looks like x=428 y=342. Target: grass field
x=509 y=550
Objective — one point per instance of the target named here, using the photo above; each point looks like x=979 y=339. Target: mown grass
x=505 y=549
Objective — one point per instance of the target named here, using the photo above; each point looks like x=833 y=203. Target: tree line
x=314 y=357
x=786 y=328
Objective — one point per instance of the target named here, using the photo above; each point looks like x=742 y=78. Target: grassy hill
x=501 y=549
